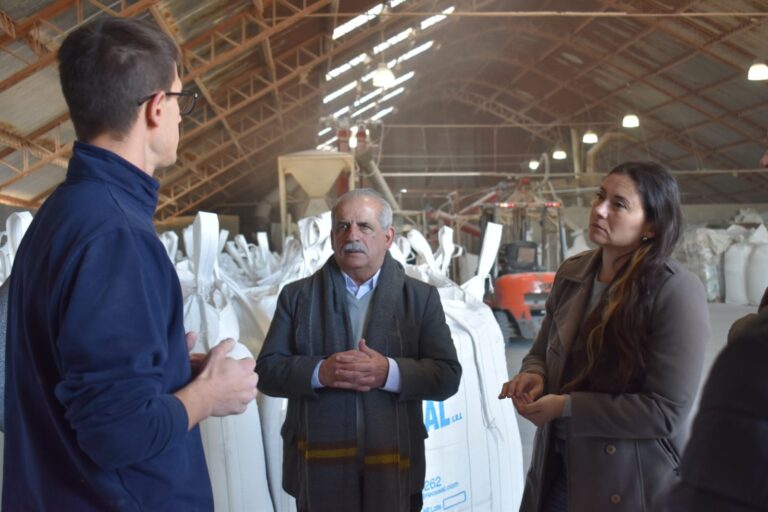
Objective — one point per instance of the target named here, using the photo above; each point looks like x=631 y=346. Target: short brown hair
x=107 y=66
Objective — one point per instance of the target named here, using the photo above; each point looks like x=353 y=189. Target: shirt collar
x=360 y=291
x=96 y=163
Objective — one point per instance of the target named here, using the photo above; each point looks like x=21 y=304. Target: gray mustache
x=354 y=247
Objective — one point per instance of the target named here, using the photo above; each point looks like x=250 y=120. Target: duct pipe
x=576 y=149
x=594 y=150
x=365 y=161
x=472 y=229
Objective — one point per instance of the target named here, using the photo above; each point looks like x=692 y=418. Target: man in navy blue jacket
x=101 y=404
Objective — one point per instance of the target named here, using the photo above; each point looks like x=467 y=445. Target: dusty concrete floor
x=721 y=317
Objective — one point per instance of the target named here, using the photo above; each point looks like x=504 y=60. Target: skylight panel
x=415 y=51
x=368 y=97
x=382 y=113
x=393 y=94
x=357 y=22
x=339 y=92
x=433 y=20
x=364 y=109
x=346 y=67
x=397 y=38
x=341 y=112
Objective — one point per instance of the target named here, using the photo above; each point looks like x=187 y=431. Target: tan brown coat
x=623 y=448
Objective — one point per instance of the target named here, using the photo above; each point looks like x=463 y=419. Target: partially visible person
x=725 y=464
x=355 y=348
x=612 y=375
x=101 y=406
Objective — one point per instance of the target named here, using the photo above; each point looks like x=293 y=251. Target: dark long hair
x=615 y=347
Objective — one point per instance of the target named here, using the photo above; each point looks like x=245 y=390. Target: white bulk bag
x=735 y=266
x=474 y=456
x=757 y=274
x=473 y=452
x=170 y=241
x=233 y=445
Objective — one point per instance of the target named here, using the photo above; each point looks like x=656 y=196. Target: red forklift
x=532 y=247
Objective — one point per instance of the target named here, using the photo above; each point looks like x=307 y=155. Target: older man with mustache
x=355 y=348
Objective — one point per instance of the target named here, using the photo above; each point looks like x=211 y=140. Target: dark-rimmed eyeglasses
x=187 y=100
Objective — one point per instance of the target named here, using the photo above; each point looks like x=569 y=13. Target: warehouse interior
x=484 y=88
x=444 y=106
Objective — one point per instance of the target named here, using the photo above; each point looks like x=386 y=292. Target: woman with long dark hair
x=612 y=375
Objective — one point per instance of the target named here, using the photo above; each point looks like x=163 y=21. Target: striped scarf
x=352 y=449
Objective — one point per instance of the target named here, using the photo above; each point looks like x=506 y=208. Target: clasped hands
x=525 y=390
x=356 y=370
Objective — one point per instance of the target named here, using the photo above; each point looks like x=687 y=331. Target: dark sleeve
x=112 y=347
x=435 y=375
x=725 y=464
x=282 y=371
x=679 y=330
x=750 y=324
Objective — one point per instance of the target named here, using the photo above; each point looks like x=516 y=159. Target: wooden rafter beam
x=233 y=178
x=30 y=150
x=47 y=58
x=28 y=167
x=645 y=77
x=266 y=51
x=225 y=42
x=597 y=60
x=19 y=203
x=560 y=43
x=32 y=137
x=218 y=167
x=7 y=25
x=290 y=65
x=166 y=22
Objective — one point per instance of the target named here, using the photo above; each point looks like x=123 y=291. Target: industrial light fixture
x=383 y=76
x=403 y=190
x=559 y=153
x=533 y=165
x=630 y=121
x=758 y=71
x=589 y=137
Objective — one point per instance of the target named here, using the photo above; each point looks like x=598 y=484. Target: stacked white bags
x=15 y=226
x=473 y=453
x=233 y=444
x=746 y=269
x=474 y=456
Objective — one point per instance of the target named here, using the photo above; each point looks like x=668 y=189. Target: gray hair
x=385 y=216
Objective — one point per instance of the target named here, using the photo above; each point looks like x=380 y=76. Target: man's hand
x=543 y=410
x=524 y=388
x=224 y=386
x=357 y=370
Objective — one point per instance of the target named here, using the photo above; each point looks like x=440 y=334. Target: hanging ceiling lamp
x=630 y=121
x=533 y=165
x=383 y=76
x=758 y=71
x=559 y=153
x=589 y=137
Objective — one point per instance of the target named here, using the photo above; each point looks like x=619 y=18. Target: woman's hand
x=524 y=388
x=543 y=410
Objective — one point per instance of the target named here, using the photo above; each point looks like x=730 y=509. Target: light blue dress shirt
x=392 y=383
